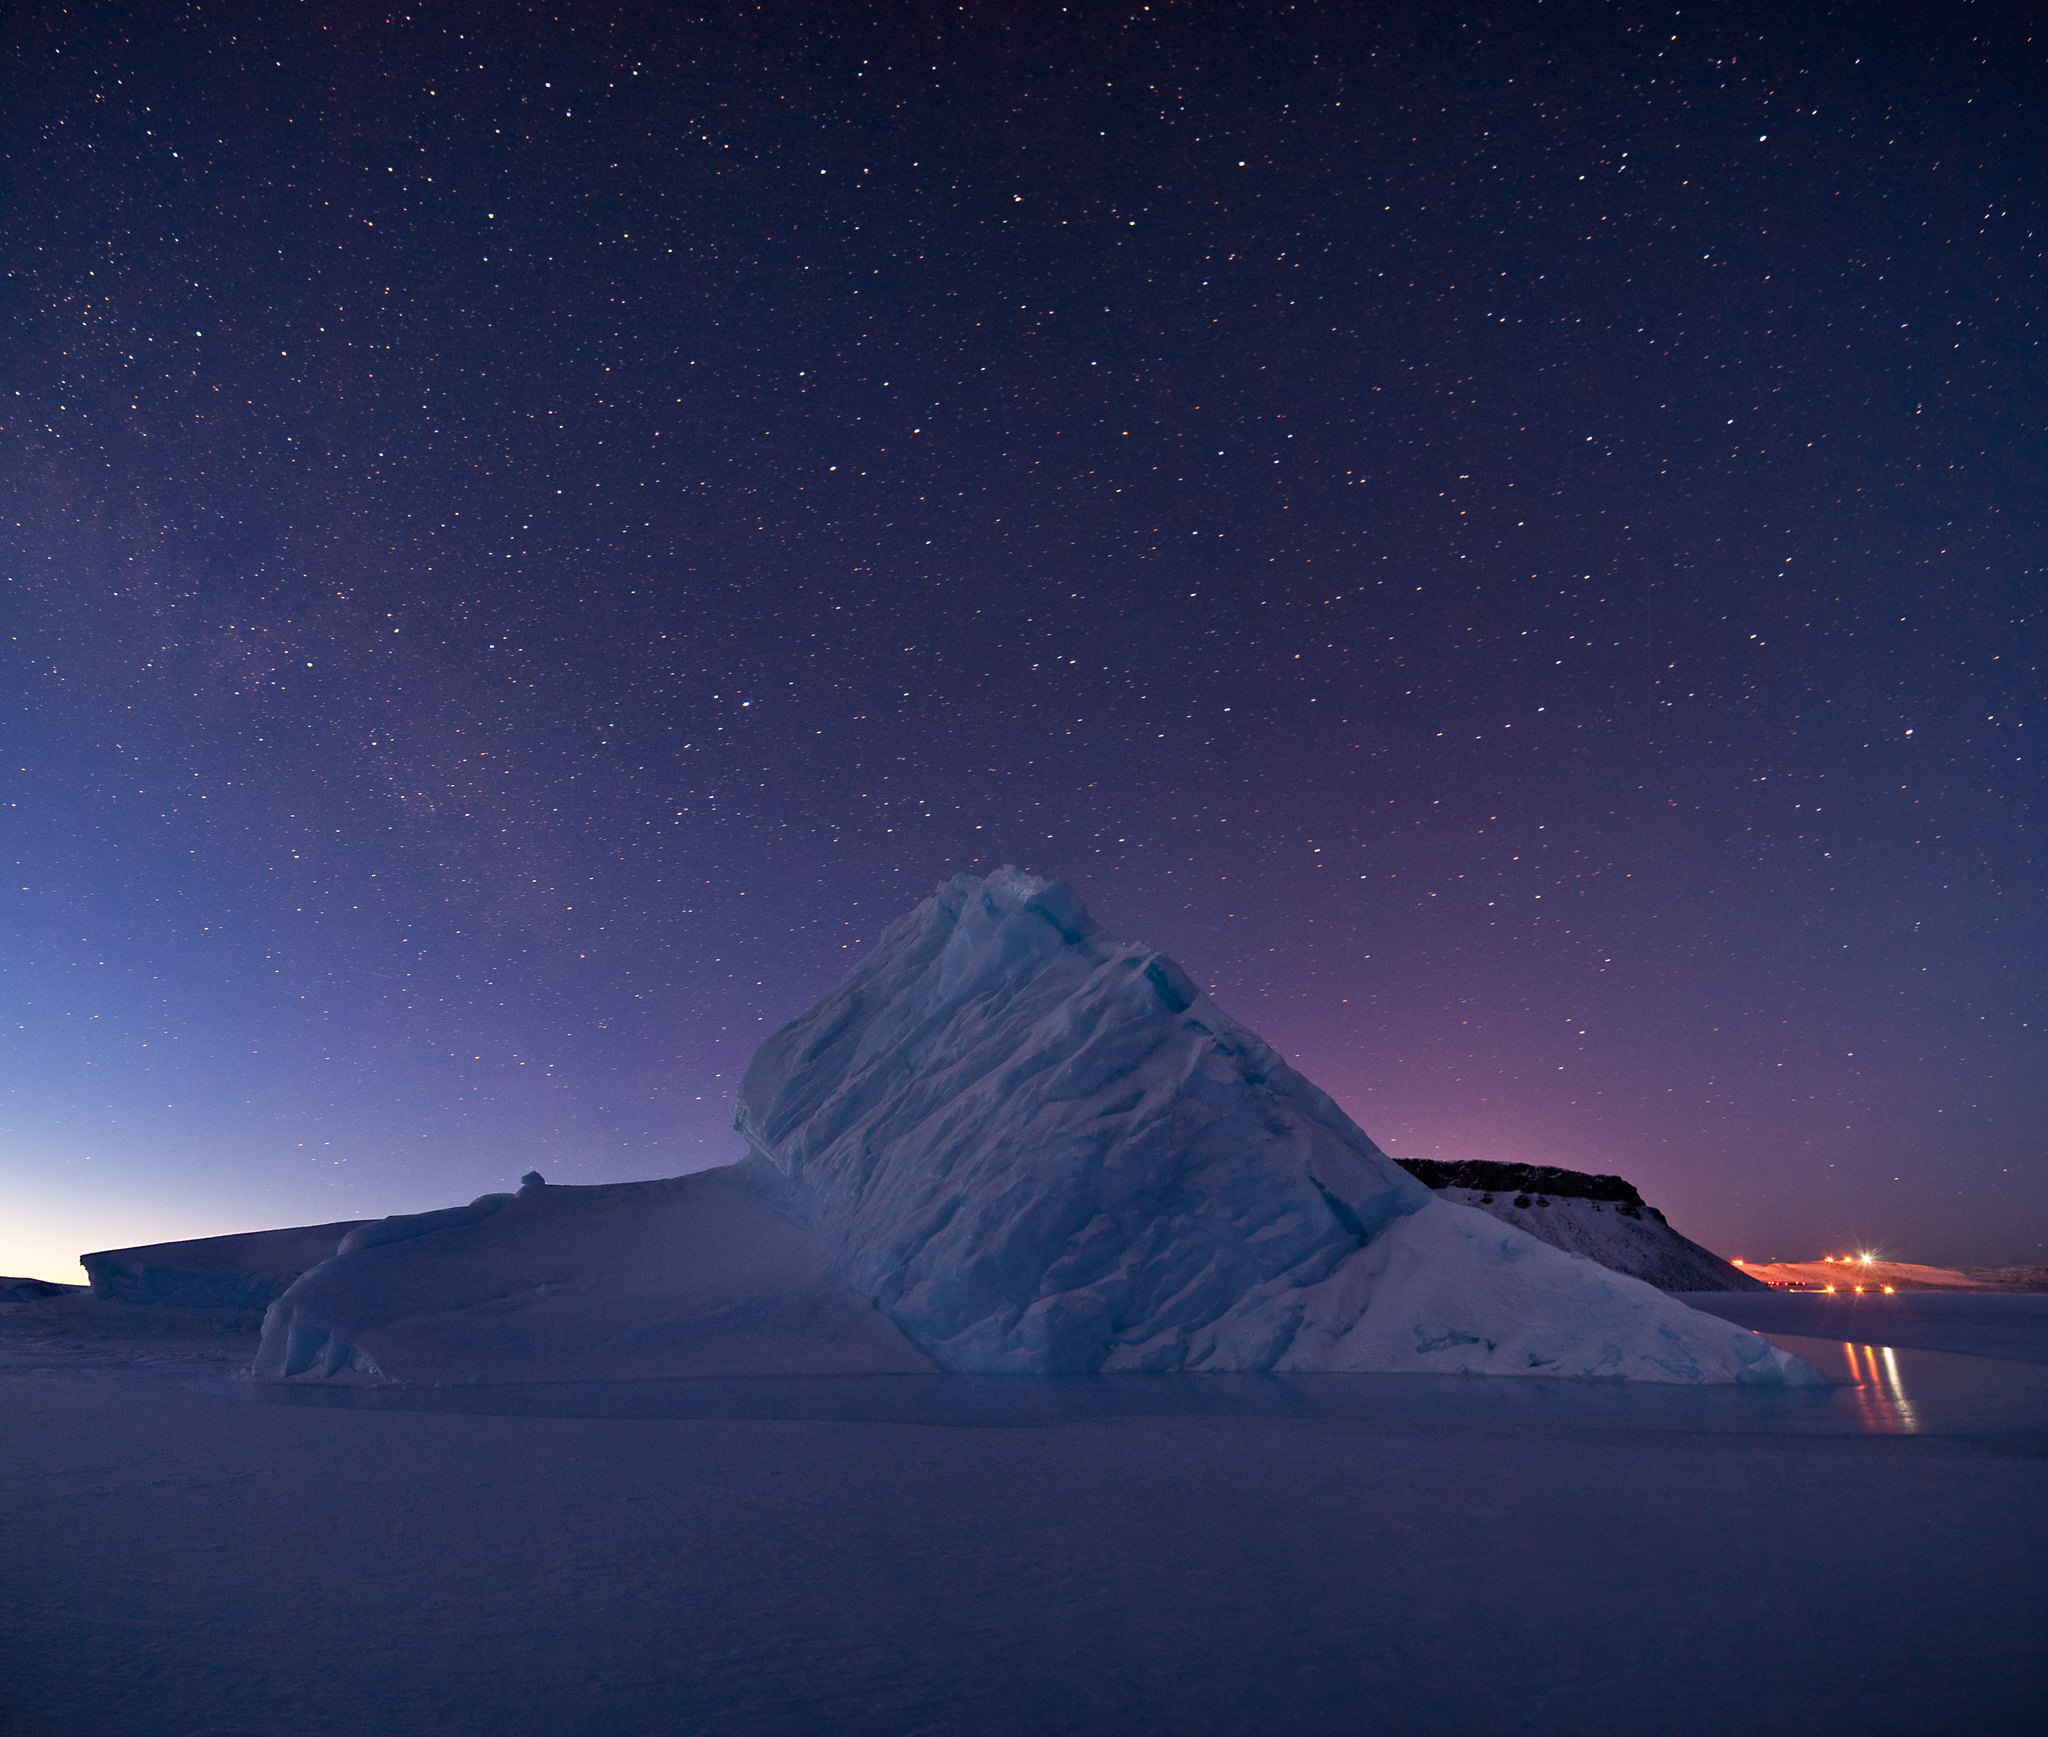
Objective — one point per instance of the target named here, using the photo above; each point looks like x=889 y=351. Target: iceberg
x=1044 y=1151
x=1005 y=1144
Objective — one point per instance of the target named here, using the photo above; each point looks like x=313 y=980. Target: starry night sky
x=1508 y=540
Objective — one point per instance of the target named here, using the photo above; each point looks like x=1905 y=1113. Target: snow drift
x=1005 y=1144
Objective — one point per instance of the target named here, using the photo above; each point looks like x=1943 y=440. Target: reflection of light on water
x=1905 y=1405
x=1881 y=1400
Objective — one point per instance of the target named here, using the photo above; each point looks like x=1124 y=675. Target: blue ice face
x=1039 y=1148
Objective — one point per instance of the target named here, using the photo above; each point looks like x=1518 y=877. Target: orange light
x=1831 y=1290
x=1887 y=1290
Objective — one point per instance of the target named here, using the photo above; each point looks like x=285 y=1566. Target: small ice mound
x=1451 y=1290
x=698 y=1275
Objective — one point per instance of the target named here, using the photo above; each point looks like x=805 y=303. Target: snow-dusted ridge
x=1600 y=1217
x=1005 y=1144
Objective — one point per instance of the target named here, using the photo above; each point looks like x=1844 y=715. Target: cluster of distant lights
x=1847 y=1261
x=1853 y=1260
x=1844 y=1260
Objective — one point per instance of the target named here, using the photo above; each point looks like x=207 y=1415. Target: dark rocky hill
x=1603 y=1218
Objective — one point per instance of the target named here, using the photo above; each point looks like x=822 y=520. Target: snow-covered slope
x=1600 y=1217
x=1452 y=1290
x=1644 y=1247
x=1042 y=1151
x=700 y=1275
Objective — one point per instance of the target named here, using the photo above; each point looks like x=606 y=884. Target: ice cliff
x=246 y=1270
x=1005 y=1144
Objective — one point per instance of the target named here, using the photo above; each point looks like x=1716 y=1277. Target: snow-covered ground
x=184 y=1555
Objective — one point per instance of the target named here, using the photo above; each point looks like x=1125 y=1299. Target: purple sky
x=1510 y=543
